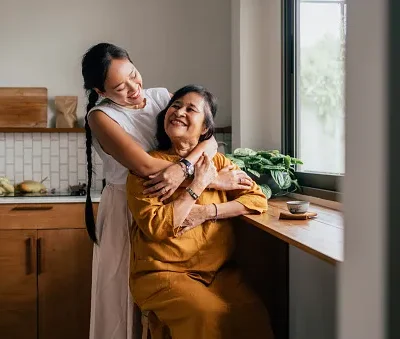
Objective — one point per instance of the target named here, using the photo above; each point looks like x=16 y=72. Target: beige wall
x=256 y=73
x=362 y=285
x=173 y=43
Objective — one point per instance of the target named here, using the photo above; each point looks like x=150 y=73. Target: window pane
x=320 y=85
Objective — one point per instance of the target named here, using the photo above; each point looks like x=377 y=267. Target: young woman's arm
x=120 y=145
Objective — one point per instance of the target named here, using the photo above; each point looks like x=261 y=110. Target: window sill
x=321 y=237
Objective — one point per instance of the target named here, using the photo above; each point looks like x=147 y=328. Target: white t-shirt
x=141 y=124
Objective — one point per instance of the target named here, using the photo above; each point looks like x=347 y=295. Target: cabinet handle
x=39 y=255
x=32 y=208
x=28 y=255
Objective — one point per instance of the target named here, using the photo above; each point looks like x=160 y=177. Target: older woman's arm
x=241 y=202
x=157 y=220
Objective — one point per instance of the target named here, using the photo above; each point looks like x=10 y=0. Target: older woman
x=181 y=247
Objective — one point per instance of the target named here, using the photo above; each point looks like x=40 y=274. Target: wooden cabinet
x=18 y=284
x=45 y=272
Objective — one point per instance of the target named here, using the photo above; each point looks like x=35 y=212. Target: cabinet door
x=64 y=281
x=18 y=284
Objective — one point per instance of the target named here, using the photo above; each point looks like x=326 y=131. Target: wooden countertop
x=321 y=237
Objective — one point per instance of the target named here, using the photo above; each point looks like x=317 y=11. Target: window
x=314 y=51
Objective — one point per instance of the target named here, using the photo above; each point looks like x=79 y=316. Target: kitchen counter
x=49 y=199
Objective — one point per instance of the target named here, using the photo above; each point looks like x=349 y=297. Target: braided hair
x=95 y=65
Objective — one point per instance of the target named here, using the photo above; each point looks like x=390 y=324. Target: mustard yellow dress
x=187 y=281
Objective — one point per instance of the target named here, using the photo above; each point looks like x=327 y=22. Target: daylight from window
x=320 y=85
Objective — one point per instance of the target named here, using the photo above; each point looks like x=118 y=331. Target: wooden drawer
x=43 y=216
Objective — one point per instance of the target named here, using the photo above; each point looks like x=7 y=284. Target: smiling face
x=185 y=118
x=123 y=84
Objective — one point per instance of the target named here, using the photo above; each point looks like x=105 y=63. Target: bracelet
x=216 y=214
x=192 y=194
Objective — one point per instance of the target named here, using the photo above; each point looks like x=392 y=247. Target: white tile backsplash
x=28 y=172
x=28 y=140
x=9 y=172
x=37 y=147
x=63 y=140
x=2 y=148
x=9 y=140
x=37 y=164
x=2 y=165
x=27 y=155
x=55 y=147
x=19 y=165
x=45 y=155
x=37 y=176
x=72 y=148
x=19 y=148
x=46 y=171
x=61 y=157
x=55 y=165
x=63 y=172
x=45 y=140
x=10 y=156
x=82 y=156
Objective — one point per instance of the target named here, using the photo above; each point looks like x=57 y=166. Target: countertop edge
x=48 y=200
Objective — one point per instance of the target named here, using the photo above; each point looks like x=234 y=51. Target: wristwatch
x=188 y=166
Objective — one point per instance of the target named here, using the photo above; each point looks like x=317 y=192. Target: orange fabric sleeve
x=154 y=218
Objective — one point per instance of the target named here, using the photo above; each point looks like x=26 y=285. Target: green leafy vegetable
x=280 y=169
x=266 y=190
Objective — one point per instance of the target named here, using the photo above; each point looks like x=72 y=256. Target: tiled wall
x=59 y=157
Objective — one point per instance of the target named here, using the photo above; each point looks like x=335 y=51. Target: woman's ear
x=102 y=94
x=205 y=130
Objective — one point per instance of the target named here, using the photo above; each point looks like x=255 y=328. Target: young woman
x=122 y=129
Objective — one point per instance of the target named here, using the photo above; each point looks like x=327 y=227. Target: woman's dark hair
x=164 y=142
x=95 y=65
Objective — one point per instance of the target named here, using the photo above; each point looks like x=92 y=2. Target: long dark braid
x=95 y=64
x=89 y=215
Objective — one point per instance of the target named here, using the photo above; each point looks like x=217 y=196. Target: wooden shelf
x=40 y=130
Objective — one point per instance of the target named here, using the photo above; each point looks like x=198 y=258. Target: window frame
x=326 y=186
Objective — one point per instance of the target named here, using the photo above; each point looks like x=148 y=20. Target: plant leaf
x=288 y=160
x=296 y=161
x=266 y=190
x=265 y=154
x=278 y=178
x=238 y=162
x=257 y=174
x=277 y=159
x=287 y=181
x=244 y=152
x=273 y=167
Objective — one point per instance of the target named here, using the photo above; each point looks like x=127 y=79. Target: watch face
x=190 y=170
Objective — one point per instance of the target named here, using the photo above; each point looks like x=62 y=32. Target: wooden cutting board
x=23 y=107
